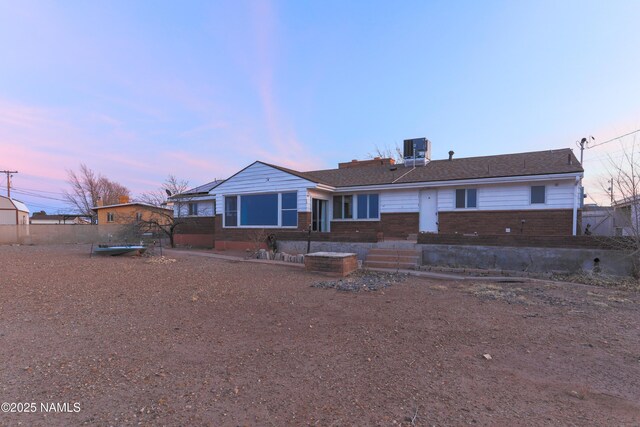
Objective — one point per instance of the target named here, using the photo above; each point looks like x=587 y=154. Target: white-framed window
x=343 y=207
x=289 y=209
x=466 y=198
x=193 y=209
x=538 y=194
x=368 y=206
x=356 y=206
x=110 y=216
x=138 y=216
x=261 y=210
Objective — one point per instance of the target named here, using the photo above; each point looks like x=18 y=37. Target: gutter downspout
x=575 y=206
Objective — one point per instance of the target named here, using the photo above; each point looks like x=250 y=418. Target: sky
x=139 y=90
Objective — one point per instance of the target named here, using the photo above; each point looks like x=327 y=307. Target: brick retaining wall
x=514 y=240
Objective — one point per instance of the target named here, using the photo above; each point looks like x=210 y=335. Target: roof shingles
x=519 y=164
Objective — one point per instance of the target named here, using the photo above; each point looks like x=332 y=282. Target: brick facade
x=196 y=225
x=197 y=232
x=207 y=241
x=391 y=225
x=245 y=238
x=400 y=225
x=547 y=222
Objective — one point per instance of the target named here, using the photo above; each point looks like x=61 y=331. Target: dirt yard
x=200 y=341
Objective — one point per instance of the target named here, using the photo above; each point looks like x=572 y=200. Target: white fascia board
x=461 y=182
x=324 y=187
x=201 y=197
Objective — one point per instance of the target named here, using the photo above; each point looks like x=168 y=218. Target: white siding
x=559 y=195
x=205 y=208
x=5 y=203
x=399 y=201
x=8 y=217
x=260 y=178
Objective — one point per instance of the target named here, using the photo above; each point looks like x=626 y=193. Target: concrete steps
x=393 y=258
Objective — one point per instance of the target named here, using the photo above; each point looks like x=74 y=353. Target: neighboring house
x=131 y=213
x=599 y=220
x=13 y=212
x=195 y=211
x=197 y=202
x=42 y=218
x=626 y=217
x=534 y=193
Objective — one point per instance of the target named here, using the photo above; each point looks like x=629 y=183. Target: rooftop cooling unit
x=417 y=152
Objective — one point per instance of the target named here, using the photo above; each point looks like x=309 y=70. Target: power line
x=613 y=139
x=9 y=175
x=57 y=193
x=29 y=193
x=43 y=207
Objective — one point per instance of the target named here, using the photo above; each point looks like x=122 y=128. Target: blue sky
x=138 y=90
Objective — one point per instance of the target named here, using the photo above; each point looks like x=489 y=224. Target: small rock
x=487 y=356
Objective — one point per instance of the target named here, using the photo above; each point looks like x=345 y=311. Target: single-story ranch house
x=534 y=193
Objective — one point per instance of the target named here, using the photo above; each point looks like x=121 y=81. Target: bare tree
x=161 y=219
x=88 y=186
x=625 y=180
x=170 y=187
x=387 y=152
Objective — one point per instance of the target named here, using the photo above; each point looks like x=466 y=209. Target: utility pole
x=9 y=175
x=611 y=191
x=584 y=142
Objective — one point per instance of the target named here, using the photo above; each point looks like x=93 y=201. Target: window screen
x=472 y=198
x=466 y=198
x=537 y=194
x=231 y=211
x=460 y=198
x=289 y=209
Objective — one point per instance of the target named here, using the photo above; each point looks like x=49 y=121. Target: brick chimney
x=123 y=199
x=99 y=202
x=376 y=161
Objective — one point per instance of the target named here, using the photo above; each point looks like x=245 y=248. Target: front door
x=428 y=211
x=318 y=215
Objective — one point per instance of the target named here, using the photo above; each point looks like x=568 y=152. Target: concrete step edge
x=393 y=257
x=394 y=252
x=391 y=264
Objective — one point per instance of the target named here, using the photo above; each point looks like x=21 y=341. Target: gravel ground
x=362 y=280
x=201 y=341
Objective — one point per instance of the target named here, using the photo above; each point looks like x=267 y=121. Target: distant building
x=127 y=212
x=626 y=217
x=43 y=218
x=13 y=212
